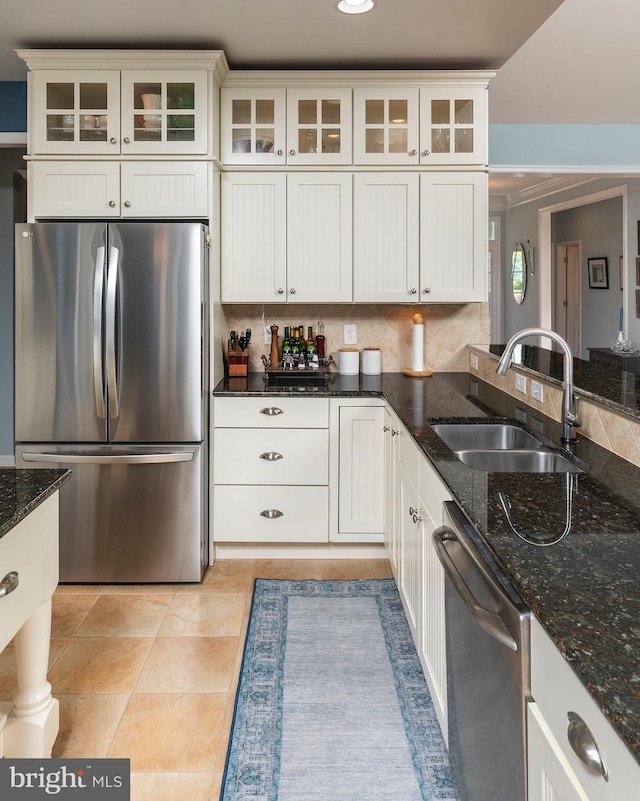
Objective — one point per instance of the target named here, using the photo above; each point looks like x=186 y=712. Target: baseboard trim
x=274 y=550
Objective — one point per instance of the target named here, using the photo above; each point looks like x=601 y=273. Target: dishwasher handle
x=486 y=619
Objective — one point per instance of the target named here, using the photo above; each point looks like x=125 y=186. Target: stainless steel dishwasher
x=487 y=641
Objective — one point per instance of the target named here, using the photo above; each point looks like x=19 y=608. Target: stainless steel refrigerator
x=111 y=381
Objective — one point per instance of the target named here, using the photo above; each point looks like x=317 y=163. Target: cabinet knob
x=412 y=152
x=386 y=428
x=426 y=290
x=112 y=204
x=271 y=456
x=127 y=205
x=9 y=583
x=280 y=291
x=280 y=152
x=292 y=152
x=426 y=152
x=584 y=745
x=292 y=291
x=113 y=141
x=126 y=140
x=394 y=433
x=413 y=291
x=416 y=518
x=271 y=514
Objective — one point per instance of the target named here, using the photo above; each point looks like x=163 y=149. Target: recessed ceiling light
x=355 y=6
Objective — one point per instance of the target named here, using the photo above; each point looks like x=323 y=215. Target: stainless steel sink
x=517 y=461
x=489 y=436
x=502 y=448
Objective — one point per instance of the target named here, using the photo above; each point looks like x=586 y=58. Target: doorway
x=567 y=293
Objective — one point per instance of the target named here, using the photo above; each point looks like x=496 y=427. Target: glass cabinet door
x=452 y=124
x=253 y=126
x=385 y=126
x=164 y=111
x=76 y=112
x=319 y=126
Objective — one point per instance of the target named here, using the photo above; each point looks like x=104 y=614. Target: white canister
x=348 y=361
x=371 y=361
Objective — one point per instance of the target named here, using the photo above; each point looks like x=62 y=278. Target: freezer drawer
x=129 y=514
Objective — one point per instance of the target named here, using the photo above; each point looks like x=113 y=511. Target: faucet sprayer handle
x=572 y=417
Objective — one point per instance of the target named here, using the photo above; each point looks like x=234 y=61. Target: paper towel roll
x=371 y=361
x=348 y=361
x=418 y=343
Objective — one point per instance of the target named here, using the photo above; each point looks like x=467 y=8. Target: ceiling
x=408 y=34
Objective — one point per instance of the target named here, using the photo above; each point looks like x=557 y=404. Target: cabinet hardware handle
x=9 y=583
x=394 y=433
x=426 y=290
x=271 y=456
x=271 y=514
x=127 y=205
x=386 y=428
x=426 y=152
x=280 y=152
x=584 y=745
x=271 y=410
x=280 y=291
x=113 y=140
x=292 y=152
x=112 y=204
x=413 y=291
x=412 y=152
x=126 y=140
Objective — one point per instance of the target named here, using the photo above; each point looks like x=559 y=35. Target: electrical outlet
x=267 y=335
x=537 y=391
x=473 y=361
x=350 y=337
x=521 y=415
x=473 y=387
x=521 y=383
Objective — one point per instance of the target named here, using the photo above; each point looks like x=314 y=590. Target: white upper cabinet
x=101 y=112
x=453 y=125
x=386 y=237
x=318 y=126
x=453 y=237
x=253 y=123
x=385 y=126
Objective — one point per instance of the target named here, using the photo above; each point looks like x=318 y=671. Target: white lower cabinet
x=270 y=470
x=358 y=448
x=118 y=189
x=563 y=712
x=391 y=431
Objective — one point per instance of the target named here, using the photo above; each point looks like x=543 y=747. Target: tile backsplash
x=448 y=328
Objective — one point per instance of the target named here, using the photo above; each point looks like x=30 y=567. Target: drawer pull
x=270 y=411
x=271 y=514
x=271 y=456
x=585 y=746
x=9 y=583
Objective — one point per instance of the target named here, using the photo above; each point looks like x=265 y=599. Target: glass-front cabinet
x=452 y=126
x=253 y=123
x=385 y=125
x=111 y=112
x=318 y=126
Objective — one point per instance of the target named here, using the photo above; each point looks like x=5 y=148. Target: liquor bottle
x=311 y=344
x=321 y=343
x=286 y=343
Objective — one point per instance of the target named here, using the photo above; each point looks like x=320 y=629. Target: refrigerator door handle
x=131 y=458
x=98 y=372
x=112 y=288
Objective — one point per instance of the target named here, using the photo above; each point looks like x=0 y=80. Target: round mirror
x=519 y=273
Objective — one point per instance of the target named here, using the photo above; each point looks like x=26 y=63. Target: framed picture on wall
x=598 y=273
x=637 y=302
x=638 y=270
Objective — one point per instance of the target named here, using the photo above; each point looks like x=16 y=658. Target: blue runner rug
x=332 y=704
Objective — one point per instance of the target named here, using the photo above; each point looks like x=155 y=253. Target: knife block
x=237 y=362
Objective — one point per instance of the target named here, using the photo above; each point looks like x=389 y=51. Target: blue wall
x=13 y=106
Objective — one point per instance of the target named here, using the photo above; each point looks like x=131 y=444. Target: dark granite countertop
x=22 y=490
x=584 y=590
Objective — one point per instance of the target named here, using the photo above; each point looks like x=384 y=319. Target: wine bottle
x=321 y=343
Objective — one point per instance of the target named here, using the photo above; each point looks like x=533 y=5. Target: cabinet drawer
x=304 y=514
x=31 y=550
x=271 y=412
x=279 y=456
x=557 y=691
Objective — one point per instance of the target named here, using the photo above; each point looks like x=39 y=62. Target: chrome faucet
x=570 y=419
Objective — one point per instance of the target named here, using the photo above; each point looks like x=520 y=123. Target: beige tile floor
x=149 y=671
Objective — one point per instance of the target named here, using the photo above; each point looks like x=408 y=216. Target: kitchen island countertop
x=21 y=491
x=584 y=590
